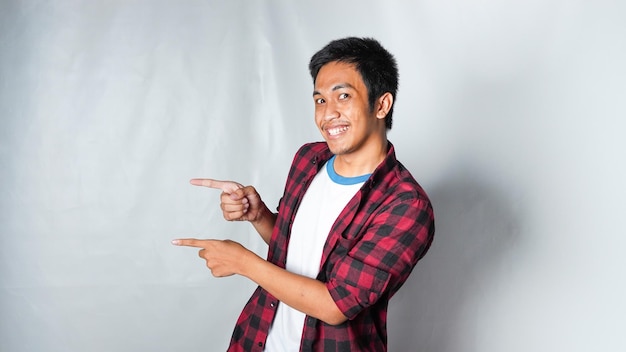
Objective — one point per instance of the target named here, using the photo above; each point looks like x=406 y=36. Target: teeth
x=337 y=130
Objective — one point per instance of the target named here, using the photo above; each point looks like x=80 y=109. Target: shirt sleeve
x=378 y=260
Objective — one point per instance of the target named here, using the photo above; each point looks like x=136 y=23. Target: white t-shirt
x=326 y=197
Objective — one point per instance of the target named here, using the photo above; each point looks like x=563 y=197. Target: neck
x=362 y=163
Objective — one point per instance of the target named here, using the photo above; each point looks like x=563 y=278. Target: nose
x=330 y=111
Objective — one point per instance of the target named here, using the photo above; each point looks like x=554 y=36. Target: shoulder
x=406 y=182
x=308 y=158
x=396 y=181
x=402 y=204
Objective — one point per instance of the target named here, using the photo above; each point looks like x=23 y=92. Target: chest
x=323 y=202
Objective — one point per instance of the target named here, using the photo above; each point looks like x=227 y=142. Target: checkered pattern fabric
x=370 y=252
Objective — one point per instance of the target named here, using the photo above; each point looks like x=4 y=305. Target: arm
x=226 y=258
x=264 y=224
x=307 y=295
x=367 y=266
x=302 y=293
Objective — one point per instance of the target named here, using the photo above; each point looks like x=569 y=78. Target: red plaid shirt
x=370 y=252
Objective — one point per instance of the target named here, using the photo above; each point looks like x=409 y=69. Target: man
x=351 y=225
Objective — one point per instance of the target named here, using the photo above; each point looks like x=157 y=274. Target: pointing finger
x=225 y=186
x=191 y=242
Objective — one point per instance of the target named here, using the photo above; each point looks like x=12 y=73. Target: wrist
x=261 y=215
x=248 y=263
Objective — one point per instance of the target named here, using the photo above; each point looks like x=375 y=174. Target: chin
x=338 y=146
x=337 y=150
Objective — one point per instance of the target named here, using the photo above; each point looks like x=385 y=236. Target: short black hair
x=376 y=65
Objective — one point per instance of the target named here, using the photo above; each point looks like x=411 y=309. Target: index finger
x=225 y=186
x=191 y=242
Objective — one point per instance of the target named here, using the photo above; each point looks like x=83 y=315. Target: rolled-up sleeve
x=379 y=260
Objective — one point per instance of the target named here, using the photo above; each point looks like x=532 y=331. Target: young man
x=351 y=224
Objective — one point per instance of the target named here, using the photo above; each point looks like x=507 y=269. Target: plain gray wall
x=510 y=114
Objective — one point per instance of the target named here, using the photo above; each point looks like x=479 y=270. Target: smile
x=337 y=130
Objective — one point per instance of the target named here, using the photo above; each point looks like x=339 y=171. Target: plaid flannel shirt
x=369 y=253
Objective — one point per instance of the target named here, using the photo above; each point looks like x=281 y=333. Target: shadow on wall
x=475 y=228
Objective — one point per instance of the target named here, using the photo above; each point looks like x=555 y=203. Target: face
x=342 y=111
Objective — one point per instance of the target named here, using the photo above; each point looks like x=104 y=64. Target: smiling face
x=352 y=131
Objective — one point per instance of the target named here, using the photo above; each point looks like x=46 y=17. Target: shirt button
x=272 y=304
x=260 y=344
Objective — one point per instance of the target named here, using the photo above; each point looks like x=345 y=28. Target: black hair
x=376 y=65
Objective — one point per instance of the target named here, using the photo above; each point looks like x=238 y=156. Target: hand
x=239 y=203
x=223 y=258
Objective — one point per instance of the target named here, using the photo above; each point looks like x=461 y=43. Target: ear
x=384 y=104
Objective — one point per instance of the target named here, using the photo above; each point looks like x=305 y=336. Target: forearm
x=302 y=293
x=264 y=224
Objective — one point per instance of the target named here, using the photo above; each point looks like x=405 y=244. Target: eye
x=343 y=96
x=320 y=101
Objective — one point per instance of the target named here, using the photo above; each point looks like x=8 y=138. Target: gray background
x=511 y=114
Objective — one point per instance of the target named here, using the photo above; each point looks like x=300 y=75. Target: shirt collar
x=382 y=169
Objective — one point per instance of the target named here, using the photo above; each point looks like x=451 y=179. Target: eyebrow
x=338 y=86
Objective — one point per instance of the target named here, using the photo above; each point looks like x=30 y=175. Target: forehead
x=338 y=73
